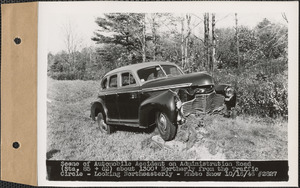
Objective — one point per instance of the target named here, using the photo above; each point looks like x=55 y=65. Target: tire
x=166 y=128
x=104 y=128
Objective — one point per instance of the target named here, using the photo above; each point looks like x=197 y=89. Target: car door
x=111 y=99
x=128 y=98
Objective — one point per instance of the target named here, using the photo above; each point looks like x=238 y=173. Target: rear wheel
x=105 y=128
x=165 y=127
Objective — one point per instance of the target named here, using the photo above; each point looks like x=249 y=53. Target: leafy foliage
x=85 y=67
x=122 y=30
x=260 y=93
x=255 y=45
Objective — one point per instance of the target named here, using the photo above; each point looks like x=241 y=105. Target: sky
x=82 y=16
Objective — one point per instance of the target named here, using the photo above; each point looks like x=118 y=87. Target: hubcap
x=162 y=122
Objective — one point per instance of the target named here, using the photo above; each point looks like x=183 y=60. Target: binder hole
x=16 y=145
x=17 y=40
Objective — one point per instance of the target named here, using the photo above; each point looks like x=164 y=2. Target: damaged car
x=157 y=94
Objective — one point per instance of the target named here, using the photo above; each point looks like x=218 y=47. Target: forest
x=254 y=60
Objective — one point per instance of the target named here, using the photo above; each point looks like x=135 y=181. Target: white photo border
x=292 y=12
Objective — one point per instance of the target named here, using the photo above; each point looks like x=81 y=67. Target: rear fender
x=164 y=102
x=96 y=107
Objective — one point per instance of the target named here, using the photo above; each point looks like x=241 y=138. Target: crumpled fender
x=163 y=102
x=220 y=89
x=96 y=107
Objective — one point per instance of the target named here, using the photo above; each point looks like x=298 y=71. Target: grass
x=72 y=135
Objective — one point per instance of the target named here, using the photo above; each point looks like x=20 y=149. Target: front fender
x=163 y=102
x=96 y=107
x=230 y=102
x=220 y=89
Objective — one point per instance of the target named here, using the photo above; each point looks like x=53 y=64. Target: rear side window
x=113 y=81
x=104 y=84
x=127 y=79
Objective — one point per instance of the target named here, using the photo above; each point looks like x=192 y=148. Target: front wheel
x=165 y=127
x=102 y=125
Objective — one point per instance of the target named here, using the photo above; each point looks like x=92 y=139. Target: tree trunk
x=187 y=38
x=213 y=36
x=154 y=36
x=182 y=43
x=237 y=42
x=206 y=39
x=144 y=39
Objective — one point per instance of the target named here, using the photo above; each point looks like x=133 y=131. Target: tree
x=155 y=37
x=272 y=38
x=73 y=42
x=182 y=41
x=206 y=39
x=124 y=29
x=237 y=42
x=213 y=38
x=284 y=17
x=187 y=41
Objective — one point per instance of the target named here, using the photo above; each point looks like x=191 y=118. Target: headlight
x=229 y=91
x=200 y=90
x=178 y=104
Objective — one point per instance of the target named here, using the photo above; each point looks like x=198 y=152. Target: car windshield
x=151 y=73
x=171 y=70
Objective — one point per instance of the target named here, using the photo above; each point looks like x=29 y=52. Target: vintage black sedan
x=157 y=93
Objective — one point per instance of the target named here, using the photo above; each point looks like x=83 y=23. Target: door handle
x=133 y=96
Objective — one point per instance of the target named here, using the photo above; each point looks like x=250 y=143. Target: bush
x=263 y=97
x=76 y=75
x=62 y=75
x=260 y=92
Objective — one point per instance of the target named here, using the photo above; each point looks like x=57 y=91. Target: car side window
x=113 y=81
x=104 y=84
x=127 y=79
x=150 y=73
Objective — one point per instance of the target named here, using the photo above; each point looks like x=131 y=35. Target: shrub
x=63 y=75
x=259 y=91
x=263 y=97
x=76 y=75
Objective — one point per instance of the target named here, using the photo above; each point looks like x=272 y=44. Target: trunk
x=206 y=39
x=182 y=43
x=187 y=38
x=237 y=42
x=213 y=36
x=154 y=36
x=185 y=53
x=144 y=39
x=205 y=42
x=155 y=48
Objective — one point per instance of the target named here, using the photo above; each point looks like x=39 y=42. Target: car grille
x=203 y=103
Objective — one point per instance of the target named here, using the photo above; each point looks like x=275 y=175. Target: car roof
x=135 y=67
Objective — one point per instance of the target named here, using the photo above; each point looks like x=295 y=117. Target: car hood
x=194 y=79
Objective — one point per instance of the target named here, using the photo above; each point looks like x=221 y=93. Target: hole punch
x=17 y=40
x=16 y=145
